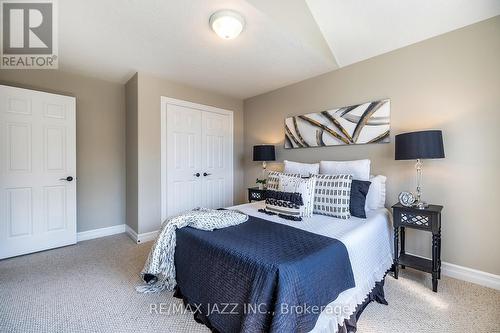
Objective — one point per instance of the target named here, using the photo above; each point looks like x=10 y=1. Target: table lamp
x=264 y=153
x=418 y=146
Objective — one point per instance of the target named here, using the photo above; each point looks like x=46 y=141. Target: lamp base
x=419 y=204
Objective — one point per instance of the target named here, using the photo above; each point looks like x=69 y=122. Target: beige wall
x=150 y=89
x=100 y=141
x=451 y=82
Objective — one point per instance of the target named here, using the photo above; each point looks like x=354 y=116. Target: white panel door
x=197 y=157
x=183 y=159
x=217 y=160
x=38 y=154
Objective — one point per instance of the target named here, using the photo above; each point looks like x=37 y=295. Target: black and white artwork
x=350 y=125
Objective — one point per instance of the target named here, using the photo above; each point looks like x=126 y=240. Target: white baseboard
x=141 y=238
x=131 y=233
x=471 y=275
x=468 y=274
x=148 y=236
x=101 y=232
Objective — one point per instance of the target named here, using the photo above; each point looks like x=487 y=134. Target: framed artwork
x=350 y=125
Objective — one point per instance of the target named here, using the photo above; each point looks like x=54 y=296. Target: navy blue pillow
x=359 y=190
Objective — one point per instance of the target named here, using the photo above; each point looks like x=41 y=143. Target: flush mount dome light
x=227 y=24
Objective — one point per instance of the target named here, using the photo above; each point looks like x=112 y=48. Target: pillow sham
x=359 y=169
x=303 y=186
x=375 y=198
x=332 y=195
x=303 y=169
x=359 y=190
x=273 y=179
x=284 y=204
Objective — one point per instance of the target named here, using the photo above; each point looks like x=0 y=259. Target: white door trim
x=191 y=105
x=172 y=101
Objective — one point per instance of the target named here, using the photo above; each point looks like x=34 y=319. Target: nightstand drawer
x=420 y=220
x=256 y=194
x=428 y=219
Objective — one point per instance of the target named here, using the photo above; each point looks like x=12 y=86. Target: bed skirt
x=350 y=325
x=377 y=294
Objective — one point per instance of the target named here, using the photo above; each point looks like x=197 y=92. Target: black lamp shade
x=263 y=153
x=419 y=145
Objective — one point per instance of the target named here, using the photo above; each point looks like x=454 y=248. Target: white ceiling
x=284 y=41
x=360 y=29
x=112 y=39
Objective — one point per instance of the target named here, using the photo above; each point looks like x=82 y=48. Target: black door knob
x=197 y=174
x=68 y=179
x=206 y=174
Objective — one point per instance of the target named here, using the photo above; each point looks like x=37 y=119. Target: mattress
x=369 y=244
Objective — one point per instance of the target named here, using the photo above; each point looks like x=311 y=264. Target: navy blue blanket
x=260 y=276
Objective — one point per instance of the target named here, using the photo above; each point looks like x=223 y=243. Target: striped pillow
x=284 y=204
x=332 y=195
x=273 y=179
x=304 y=186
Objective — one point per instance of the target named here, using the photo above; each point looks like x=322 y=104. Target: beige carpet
x=89 y=287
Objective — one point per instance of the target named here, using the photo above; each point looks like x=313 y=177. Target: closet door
x=217 y=160
x=37 y=171
x=197 y=157
x=184 y=190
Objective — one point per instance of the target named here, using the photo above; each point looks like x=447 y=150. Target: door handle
x=197 y=174
x=68 y=179
x=206 y=174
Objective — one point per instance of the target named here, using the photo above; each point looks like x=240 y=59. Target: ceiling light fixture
x=227 y=24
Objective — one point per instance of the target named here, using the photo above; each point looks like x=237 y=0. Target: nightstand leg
x=439 y=254
x=402 y=242
x=435 y=255
x=396 y=252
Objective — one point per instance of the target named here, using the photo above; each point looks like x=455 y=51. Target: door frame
x=205 y=108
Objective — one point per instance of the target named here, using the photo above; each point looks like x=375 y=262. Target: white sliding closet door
x=38 y=166
x=197 y=157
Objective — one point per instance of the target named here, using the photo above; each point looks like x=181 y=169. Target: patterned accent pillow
x=273 y=179
x=332 y=195
x=284 y=204
x=303 y=186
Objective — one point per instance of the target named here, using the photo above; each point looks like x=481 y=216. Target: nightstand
x=256 y=194
x=428 y=219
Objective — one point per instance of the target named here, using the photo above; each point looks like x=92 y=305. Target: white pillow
x=375 y=198
x=303 y=169
x=303 y=186
x=359 y=169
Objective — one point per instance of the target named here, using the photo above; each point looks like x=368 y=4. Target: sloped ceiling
x=357 y=30
x=284 y=41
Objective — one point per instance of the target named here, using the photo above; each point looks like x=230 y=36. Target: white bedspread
x=369 y=243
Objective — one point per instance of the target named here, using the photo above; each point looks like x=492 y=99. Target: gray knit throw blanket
x=159 y=268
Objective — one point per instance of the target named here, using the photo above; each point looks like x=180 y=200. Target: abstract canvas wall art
x=356 y=124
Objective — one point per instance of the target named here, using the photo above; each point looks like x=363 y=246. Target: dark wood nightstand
x=256 y=194
x=428 y=219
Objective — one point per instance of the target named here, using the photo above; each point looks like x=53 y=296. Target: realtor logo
x=29 y=34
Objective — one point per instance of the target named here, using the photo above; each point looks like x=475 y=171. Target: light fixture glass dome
x=227 y=24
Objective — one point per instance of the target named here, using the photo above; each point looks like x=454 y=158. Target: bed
x=367 y=243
